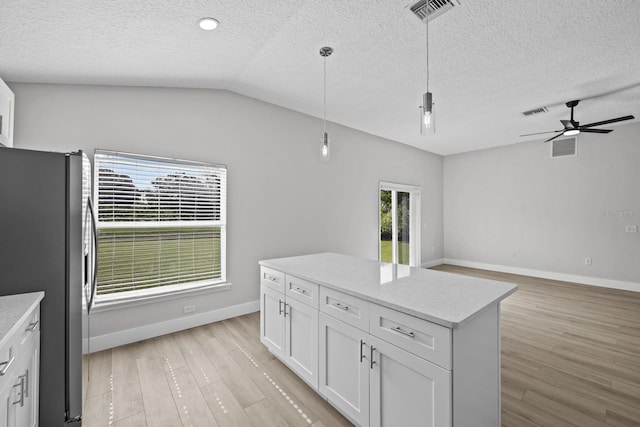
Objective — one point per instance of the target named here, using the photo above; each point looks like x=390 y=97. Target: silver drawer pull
x=32 y=326
x=299 y=290
x=6 y=366
x=21 y=392
x=26 y=382
x=270 y=278
x=399 y=330
x=344 y=307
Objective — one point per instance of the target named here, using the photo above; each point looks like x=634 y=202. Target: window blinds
x=161 y=224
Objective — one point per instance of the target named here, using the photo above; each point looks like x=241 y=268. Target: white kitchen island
x=386 y=344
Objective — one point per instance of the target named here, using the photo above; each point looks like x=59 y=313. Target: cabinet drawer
x=347 y=308
x=420 y=337
x=30 y=326
x=14 y=349
x=302 y=290
x=8 y=362
x=272 y=278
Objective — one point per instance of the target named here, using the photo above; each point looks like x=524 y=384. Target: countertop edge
x=38 y=296
x=451 y=324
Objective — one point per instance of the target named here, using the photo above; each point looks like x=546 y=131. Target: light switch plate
x=631 y=228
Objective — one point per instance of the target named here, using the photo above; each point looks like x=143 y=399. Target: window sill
x=109 y=304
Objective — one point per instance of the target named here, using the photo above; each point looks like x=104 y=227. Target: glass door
x=399 y=224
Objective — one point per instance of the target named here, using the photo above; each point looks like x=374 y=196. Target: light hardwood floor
x=570 y=353
x=570 y=357
x=214 y=375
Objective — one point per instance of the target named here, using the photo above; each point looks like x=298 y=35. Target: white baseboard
x=432 y=263
x=115 y=339
x=585 y=280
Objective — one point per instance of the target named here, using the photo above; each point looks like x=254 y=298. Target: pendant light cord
x=427 y=38
x=324 y=105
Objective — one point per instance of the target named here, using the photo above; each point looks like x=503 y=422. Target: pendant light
x=324 y=147
x=427 y=112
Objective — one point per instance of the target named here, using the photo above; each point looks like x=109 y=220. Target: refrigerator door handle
x=94 y=235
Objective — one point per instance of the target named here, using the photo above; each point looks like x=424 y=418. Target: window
x=161 y=225
x=399 y=224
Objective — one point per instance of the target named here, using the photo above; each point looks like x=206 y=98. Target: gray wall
x=515 y=206
x=282 y=199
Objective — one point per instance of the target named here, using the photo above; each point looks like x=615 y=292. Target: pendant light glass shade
x=324 y=146
x=427 y=115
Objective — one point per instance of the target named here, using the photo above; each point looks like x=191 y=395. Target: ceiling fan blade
x=567 y=124
x=540 y=133
x=596 y=130
x=605 y=122
x=554 y=137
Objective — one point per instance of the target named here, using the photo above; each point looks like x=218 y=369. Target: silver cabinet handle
x=399 y=330
x=299 y=290
x=362 y=356
x=279 y=306
x=373 y=362
x=32 y=326
x=285 y=309
x=21 y=385
x=6 y=366
x=344 y=307
x=270 y=277
x=26 y=382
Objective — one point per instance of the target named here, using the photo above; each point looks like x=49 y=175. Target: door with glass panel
x=399 y=238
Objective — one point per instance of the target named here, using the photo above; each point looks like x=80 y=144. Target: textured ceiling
x=489 y=60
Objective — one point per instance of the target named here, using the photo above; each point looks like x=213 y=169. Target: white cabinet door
x=344 y=368
x=301 y=340
x=7 y=410
x=29 y=412
x=272 y=328
x=407 y=390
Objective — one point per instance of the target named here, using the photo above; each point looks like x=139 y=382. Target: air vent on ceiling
x=565 y=147
x=430 y=9
x=535 y=111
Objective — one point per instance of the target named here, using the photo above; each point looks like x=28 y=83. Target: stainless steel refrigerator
x=41 y=249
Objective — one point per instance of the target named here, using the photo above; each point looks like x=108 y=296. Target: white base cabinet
x=379 y=366
x=375 y=383
x=272 y=329
x=289 y=323
x=19 y=374
x=406 y=390
x=344 y=368
x=301 y=340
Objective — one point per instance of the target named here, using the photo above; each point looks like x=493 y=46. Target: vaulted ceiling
x=489 y=60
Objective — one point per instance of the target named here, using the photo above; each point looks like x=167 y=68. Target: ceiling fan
x=571 y=127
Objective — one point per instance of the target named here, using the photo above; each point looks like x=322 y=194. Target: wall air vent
x=565 y=147
x=430 y=9
x=535 y=111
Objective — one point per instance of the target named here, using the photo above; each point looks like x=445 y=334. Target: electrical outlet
x=630 y=228
x=189 y=309
x=588 y=261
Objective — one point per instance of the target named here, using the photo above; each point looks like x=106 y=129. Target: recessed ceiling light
x=208 y=24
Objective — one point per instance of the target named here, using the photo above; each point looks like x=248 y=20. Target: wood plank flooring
x=570 y=353
x=570 y=357
x=214 y=375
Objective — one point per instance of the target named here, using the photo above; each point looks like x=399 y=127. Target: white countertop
x=444 y=298
x=14 y=310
